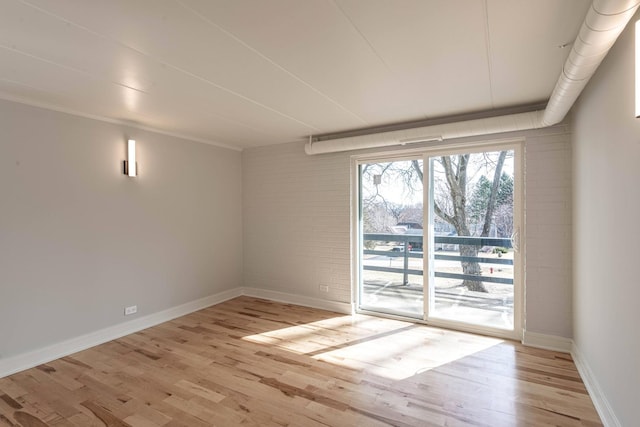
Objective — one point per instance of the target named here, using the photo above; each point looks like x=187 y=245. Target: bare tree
x=456 y=177
x=456 y=169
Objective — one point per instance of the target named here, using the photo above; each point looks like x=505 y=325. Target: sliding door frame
x=518 y=147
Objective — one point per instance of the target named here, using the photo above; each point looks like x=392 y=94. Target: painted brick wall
x=297 y=224
x=548 y=228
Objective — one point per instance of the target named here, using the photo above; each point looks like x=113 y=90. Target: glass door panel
x=391 y=237
x=470 y=251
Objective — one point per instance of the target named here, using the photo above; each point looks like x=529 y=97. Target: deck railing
x=409 y=241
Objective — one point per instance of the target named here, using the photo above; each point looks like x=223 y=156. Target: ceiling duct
x=604 y=22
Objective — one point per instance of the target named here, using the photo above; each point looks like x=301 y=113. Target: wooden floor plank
x=255 y=362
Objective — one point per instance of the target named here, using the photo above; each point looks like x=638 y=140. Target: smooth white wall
x=79 y=240
x=606 y=158
x=297 y=223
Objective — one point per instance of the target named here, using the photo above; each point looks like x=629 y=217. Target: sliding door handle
x=515 y=240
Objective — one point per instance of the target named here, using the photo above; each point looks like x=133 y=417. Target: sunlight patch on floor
x=391 y=349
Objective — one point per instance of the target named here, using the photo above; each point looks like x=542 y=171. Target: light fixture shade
x=638 y=68
x=130 y=165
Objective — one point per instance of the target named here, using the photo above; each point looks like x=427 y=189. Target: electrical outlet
x=130 y=310
x=324 y=288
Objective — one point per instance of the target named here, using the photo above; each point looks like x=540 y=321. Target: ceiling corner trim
x=51 y=107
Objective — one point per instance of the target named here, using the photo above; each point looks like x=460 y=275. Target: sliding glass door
x=438 y=238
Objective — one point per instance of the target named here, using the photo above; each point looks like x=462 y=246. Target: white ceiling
x=245 y=73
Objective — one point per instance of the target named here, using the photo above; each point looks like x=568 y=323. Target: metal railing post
x=406 y=263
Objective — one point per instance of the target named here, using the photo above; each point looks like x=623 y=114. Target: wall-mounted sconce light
x=638 y=68
x=130 y=167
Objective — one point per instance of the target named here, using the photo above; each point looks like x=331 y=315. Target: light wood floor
x=255 y=362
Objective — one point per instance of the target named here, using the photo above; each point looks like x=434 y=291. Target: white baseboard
x=339 y=307
x=37 y=357
x=607 y=416
x=547 y=342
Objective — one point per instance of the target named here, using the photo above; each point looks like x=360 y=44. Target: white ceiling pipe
x=487 y=126
x=603 y=24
